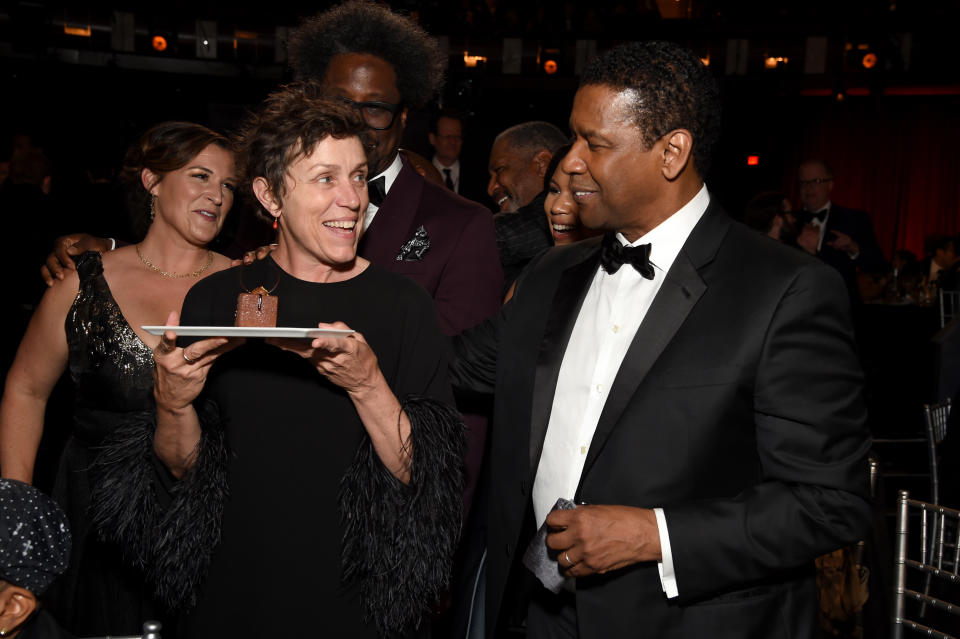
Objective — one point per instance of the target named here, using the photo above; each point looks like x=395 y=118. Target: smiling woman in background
x=560 y=205
x=344 y=471
x=184 y=179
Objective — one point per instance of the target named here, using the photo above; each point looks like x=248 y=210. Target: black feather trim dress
x=288 y=524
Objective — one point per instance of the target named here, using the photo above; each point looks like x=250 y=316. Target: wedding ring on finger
x=187 y=359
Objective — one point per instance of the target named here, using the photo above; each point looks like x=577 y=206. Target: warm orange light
x=159 y=43
x=869 y=61
x=774 y=62
x=753 y=160
x=77 y=31
x=705 y=60
x=471 y=61
x=550 y=66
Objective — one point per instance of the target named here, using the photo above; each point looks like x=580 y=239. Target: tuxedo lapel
x=394 y=222
x=571 y=290
x=680 y=291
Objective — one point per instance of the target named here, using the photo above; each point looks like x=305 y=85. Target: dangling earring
x=276 y=221
x=153 y=213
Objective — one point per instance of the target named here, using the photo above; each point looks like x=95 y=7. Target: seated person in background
x=770 y=212
x=901 y=281
x=34 y=547
x=939 y=268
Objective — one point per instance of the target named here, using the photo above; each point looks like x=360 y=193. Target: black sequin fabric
x=111 y=368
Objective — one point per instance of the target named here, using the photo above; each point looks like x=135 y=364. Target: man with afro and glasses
x=384 y=64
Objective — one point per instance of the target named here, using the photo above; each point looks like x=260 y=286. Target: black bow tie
x=613 y=255
x=377 y=189
x=820 y=216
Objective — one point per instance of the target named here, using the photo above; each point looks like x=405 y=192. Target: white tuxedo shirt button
x=600 y=388
x=583 y=450
x=616 y=328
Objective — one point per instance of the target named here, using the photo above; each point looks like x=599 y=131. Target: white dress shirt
x=390 y=176
x=454 y=172
x=612 y=311
x=821 y=224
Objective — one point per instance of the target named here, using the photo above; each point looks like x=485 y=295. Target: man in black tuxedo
x=701 y=402
x=841 y=237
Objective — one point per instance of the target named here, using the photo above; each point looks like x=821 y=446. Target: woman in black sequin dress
x=90 y=322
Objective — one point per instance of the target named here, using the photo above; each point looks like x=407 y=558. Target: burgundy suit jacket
x=461 y=269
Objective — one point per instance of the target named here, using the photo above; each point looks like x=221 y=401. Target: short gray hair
x=531 y=137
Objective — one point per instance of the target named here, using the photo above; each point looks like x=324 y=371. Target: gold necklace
x=174 y=276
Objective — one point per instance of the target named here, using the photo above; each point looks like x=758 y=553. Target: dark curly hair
x=672 y=90
x=364 y=27
x=163 y=148
x=289 y=125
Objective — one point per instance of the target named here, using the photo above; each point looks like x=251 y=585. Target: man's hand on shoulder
x=258 y=253
x=597 y=539
x=64 y=248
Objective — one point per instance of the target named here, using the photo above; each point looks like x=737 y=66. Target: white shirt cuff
x=668 y=578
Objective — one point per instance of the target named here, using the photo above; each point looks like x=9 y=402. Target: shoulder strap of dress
x=89 y=265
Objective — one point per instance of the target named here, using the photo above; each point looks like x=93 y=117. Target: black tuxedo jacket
x=857 y=225
x=737 y=409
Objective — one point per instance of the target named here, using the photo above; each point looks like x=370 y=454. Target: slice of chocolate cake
x=256 y=308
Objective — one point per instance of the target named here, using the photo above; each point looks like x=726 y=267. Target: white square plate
x=248 y=331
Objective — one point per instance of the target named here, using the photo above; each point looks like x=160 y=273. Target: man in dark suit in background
x=446 y=137
x=841 y=237
x=692 y=386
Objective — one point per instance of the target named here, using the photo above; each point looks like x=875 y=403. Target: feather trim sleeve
x=124 y=504
x=168 y=528
x=399 y=540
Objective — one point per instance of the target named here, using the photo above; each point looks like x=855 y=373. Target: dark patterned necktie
x=377 y=189
x=448 y=180
x=613 y=255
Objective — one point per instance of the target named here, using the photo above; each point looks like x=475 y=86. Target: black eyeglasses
x=815 y=181
x=377 y=115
